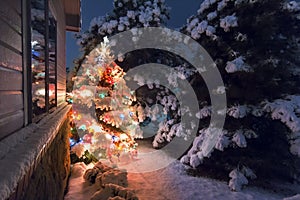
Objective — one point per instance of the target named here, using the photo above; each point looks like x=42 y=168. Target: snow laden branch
x=286 y=110
x=127 y=14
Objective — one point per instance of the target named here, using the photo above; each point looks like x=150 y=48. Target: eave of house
x=73 y=15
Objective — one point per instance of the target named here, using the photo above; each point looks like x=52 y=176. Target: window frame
x=55 y=63
x=27 y=57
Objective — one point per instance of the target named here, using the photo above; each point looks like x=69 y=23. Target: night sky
x=180 y=11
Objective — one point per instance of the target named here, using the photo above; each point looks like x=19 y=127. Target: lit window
x=43 y=58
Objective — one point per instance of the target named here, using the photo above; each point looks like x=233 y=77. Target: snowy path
x=173 y=183
x=169 y=183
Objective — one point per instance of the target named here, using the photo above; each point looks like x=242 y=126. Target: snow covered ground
x=169 y=183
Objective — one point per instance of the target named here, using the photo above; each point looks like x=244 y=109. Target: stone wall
x=50 y=177
x=47 y=176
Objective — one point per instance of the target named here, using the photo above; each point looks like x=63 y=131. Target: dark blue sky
x=180 y=11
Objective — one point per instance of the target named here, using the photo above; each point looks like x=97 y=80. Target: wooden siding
x=11 y=95
x=57 y=7
x=10 y=59
x=12 y=116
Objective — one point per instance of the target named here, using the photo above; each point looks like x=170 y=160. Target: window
x=52 y=62
x=43 y=58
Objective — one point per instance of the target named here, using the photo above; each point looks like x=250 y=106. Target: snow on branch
x=238 y=111
x=239 y=178
x=197 y=28
x=204 y=112
x=286 y=110
x=202 y=144
x=221 y=5
x=239 y=139
x=228 y=22
x=292 y=6
x=212 y=15
x=295 y=147
x=223 y=141
x=126 y=15
x=237 y=64
x=237 y=181
x=205 y=5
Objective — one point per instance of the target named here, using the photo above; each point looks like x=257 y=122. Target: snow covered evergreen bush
x=254 y=46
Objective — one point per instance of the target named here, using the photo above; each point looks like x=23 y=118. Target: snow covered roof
x=73 y=15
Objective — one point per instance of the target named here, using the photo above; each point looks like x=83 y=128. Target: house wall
x=11 y=70
x=13 y=113
x=34 y=157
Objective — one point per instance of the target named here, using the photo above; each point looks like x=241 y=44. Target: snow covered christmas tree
x=127 y=14
x=255 y=45
x=105 y=110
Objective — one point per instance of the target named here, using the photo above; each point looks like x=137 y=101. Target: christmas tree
x=105 y=110
x=255 y=45
x=127 y=14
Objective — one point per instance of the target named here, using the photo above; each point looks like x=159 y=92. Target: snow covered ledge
x=34 y=161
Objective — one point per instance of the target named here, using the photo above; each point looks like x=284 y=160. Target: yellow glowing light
x=100 y=71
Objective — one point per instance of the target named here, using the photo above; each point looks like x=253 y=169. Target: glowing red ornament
x=110 y=80
x=88 y=138
x=108 y=70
